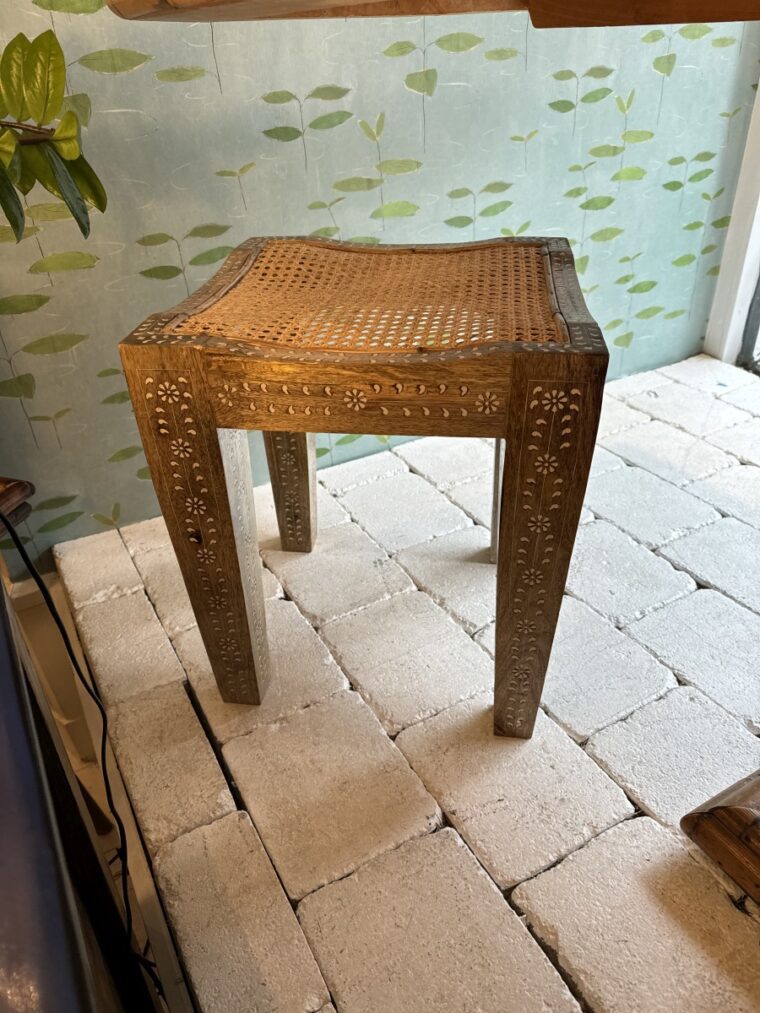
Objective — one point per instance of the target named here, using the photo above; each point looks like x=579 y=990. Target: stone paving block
x=457 y=572
x=345 y=571
x=271 y=585
x=603 y=461
x=586 y=516
x=127 y=647
x=722 y=556
x=617 y=416
x=735 y=491
x=341 y=477
x=641 y=927
x=743 y=441
x=408 y=659
x=303 y=673
x=708 y=374
x=747 y=398
x=144 y=536
x=402 y=510
x=676 y=752
x=647 y=507
x=96 y=568
x=486 y=638
x=240 y=941
x=168 y=766
x=446 y=460
x=690 y=409
x=329 y=513
x=165 y=586
x=327 y=791
x=668 y=452
x=596 y=674
x=424 y=930
x=620 y=578
x=520 y=804
x=636 y=383
x=712 y=643
x=475 y=498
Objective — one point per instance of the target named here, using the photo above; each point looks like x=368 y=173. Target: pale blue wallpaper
x=389 y=130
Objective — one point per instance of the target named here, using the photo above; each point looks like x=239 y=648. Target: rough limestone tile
x=743 y=441
x=596 y=674
x=676 y=752
x=620 y=578
x=271 y=585
x=345 y=571
x=329 y=513
x=708 y=374
x=168 y=766
x=636 y=383
x=650 y=509
x=486 y=638
x=723 y=556
x=520 y=804
x=446 y=460
x=424 y=929
x=165 y=586
x=712 y=643
x=402 y=510
x=342 y=477
x=693 y=410
x=475 y=498
x=303 y=673
x=240 y=941
x=408 y=659
x=327 y=791
x=735 y=491
x=586 y=516
x=603 y=461
x=127 y=647
x=145 y=535
x=668 y=452
x=640 y=926
x=617 y=416
x=747 y=398
x=457 y=572
x=96 y=568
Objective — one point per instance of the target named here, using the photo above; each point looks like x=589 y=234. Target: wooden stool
x=298 y=336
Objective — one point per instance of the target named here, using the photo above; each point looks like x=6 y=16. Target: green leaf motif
x=697 y=177
x=398 y=166
x=576 y=191
x=597 y=203
x=459 y=221
x=367 y=130
x=402 y=48
x=629 y=173
x=164 y=272
x=74 y=260
x=344 y=440
x=143 y=473
x=642 y=286
x=459 y=192
x=80 y=105
x=113 y=61
x=422 y=82
x=599 y=72
x=70 y=6
x=44 y=78
x=22 y=385
x=694 y=32
x=60 y=522
x=278 y=98
x=693 y=226
x=637 y=136
x=496 y=187
x=282 y=133
x=125 y=454
x=501 y=54
x=581 y=263
x=605 y=235
x=721 y=223
x=654 y=36
x=53 y=344
x=723 y=42
x=704 y=156
x=673 y=314
x=665 y=64
x=564 y=75
x=596 y=95
x=330 y=120
x=649 y=312
x=356 y=184
x=606 y=151
x=172 y=75
x=207 y=231
x=562 y=105
x=624 y=340
x=458 y=42
x=154 y=239
x=395 y=209
x=119 y=397
x=495 y=209
x=327 y=232
x=211 y=256
x=685 y=260
x=13 y=304
x=328 y=92
x=54 y=503
x=109 y=371
x=673 y=185
x=53 y=212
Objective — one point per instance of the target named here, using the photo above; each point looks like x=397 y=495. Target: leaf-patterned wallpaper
x=627 y=141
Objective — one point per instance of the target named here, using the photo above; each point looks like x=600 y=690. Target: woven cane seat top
x=318 y=296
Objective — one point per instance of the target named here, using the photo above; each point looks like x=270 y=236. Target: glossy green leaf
x=80 y=105
x=597 y=203
x=328 y=92
x=642 y=286
x=637 y=136
x=599 y=72
x=665 y=64
x=125 y=454
x=211 y=256
x=54 y=344
x=163 y=272
x=649 y=312
x=8 y=147
x=398 y=166
x=70 y=6
x=694 y=32
x=330 y=120
x=605 y=235
x=458 y=42
x=10 y=305
x=283 y=133
x=154 y=239
x=172 y=75
x=88 y=183
x=45 y=78
x=422 y=82
x=562 y=105
x=495 y=209
x=11 y=205
x=54 y=503
x=60 y=522
x=355 y=184
x=113 y=61
x=66 y=137
x=629 y=173
x=402 y=48
x=395 y=209
x=68 y=189
x=12 y=76
x=22 y=385
x=207 y=231
x=119 y=397
x=501 y=54
x=596 y=95
x=606 y=150
x=279 y=97
x=459 y=221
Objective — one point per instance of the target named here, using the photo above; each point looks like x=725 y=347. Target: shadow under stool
x=298 y=336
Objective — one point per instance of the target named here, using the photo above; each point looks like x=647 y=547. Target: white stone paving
x=652 y=693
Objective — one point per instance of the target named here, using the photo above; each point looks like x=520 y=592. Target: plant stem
x=182 y=264
x=303 y=135
x=242 y=191
x=216 y=62
x=382 y=187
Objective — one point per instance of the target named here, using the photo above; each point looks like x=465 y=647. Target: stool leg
x=202 y=477
x=552 y=425
x=498 y=475
x=292 y=469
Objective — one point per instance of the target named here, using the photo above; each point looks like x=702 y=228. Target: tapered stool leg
x=292 y=469
x=202 y=477
x=551 y=428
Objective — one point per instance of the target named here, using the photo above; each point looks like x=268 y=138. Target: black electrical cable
x=92 y=691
